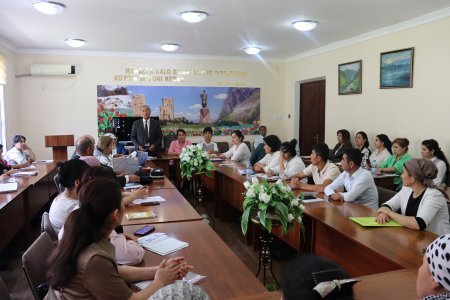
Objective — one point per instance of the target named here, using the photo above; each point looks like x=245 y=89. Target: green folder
x=370 y=222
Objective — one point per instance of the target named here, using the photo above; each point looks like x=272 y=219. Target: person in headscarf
x=421 y=203
x=433 y=276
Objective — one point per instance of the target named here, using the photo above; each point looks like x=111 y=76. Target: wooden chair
x=46 y=226
x=34 y=264
x=4 y=294
x=384 y=195
x=223 y=147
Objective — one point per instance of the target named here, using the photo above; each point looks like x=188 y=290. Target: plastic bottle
x=249 y=170
x=374 y=167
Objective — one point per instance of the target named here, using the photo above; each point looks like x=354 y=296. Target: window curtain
x=2 y=69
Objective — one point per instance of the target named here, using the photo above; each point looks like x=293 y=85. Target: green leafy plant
x=193 y=161
x=271 y=201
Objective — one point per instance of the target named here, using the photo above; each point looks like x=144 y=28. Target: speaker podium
x=59 y=144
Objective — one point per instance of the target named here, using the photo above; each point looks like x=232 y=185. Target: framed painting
x=396 y=69
x=350 y=78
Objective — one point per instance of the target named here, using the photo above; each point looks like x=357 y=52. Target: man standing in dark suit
x=146 y=134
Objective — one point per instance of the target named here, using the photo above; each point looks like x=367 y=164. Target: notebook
x=139 y=215
x=370 y=222
x=8 y=187
x=25 y=173
x=149 y=199
x=164 y=245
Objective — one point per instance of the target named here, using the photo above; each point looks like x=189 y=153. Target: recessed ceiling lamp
x=169 y=47
x=194 y=16
x=75 y=43
x=305 y=25
x=252 y=50
x=49 y=7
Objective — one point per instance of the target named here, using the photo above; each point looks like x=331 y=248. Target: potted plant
x=195 y=161
x=271 y=201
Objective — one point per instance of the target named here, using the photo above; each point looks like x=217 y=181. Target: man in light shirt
x=260 y=138
x=354 y=184
x=321 y=170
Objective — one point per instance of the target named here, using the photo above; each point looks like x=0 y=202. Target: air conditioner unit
x=51 y=70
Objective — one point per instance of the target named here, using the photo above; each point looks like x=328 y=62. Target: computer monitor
x=122 y=127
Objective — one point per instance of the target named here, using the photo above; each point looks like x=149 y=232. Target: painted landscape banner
x=192 y=108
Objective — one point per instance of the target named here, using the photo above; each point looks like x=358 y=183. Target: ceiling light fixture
x=49 y=7
x=170 y=47
x=252 y=50
x=193 y=16
x=75 y=43
x=305 y=25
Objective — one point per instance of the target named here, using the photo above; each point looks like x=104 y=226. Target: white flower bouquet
x=271 y=201
x=193 y=161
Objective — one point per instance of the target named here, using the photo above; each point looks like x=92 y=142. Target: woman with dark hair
x=239 y=151
x=395 y=162
x=344 y=143
x=289 y=163
x=316 y=278
x=70 y=174
x=432 y=151
x=84 y=267
x=20 y=155
x=382 y=150
x=421 y=205
x=177 y=146
x=362 y=144
x=271 y=146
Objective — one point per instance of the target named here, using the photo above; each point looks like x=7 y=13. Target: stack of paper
x=8 y=187
x=133 y=185
x=24 y=173
x=139 y=215
x=149 y=199
x=162 y=244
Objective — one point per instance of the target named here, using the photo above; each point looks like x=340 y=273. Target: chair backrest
x=57 y=181
x=249 y=145
x=34 y=262
x=46 y=226
x=384 y=195
x=223 y=147
x=167 y=140
x=4 y=291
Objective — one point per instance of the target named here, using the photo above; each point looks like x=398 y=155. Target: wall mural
x=191 y=108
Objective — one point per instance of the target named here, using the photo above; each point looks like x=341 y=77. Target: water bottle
x=249 y=170
x=374 y=167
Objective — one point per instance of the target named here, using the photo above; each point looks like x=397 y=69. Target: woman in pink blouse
x=178 y=145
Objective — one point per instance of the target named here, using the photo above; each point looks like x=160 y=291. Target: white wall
x=11 y=107
x=66 y=105
x=417 y=113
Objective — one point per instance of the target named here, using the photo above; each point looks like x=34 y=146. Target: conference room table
x=329 y=232
x=226 y=275
x=17 y=209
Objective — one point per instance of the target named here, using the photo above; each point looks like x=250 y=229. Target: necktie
x=146 y=131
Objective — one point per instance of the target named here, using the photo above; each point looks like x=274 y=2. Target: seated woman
x=104 y=150
x=395 y=162
x=289 y=163
x=433 y=280
x=362 y=144
x=432 y=151
x=70 y=174
x=344 y=143
x=20 y=155
x=177 y=146
x=383 y=149
x=84 y=267
x=118 y=148
x=272 y=148
x=239 y=151
x=207 y=144
x=5 y=167
x=421 y=204
x=307 y=276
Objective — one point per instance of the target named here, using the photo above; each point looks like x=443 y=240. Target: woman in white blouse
x=239 y=152
x=271 y=146
x=104 y=150
x=382 y=150
x=289 y=163
x=432 y=151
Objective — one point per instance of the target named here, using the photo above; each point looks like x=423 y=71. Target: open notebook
x=161 y=244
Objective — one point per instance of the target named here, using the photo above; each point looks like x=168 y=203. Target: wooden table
x=226 y=275
x=17 y=209
x=176 y=208
x=161 y=184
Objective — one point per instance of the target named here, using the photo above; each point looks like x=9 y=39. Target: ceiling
x=140 y=26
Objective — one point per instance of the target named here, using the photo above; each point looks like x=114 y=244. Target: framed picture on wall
x=396 y=69
x=350 y=78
